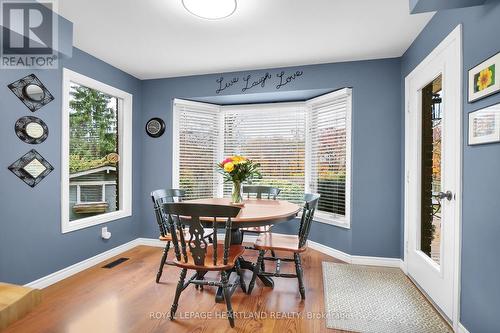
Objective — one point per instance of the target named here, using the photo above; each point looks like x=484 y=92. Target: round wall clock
x=31 y=130
x=155 y=127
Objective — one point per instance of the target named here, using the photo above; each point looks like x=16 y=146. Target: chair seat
x=257 y=230
x=168 y=237
x=270 y=241
x=235 y=251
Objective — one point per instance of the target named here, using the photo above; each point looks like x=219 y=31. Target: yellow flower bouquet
x=237 y=169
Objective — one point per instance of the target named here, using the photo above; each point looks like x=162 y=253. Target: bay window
x=301 y=146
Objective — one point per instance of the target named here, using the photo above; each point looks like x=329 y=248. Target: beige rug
x=376 y=299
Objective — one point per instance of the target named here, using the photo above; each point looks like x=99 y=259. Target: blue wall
x=480 y=291
x=31 y=243
x=376 y=140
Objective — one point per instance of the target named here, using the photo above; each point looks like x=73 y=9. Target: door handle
x=445 y=195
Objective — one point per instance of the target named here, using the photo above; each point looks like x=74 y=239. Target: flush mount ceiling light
x=210 y=9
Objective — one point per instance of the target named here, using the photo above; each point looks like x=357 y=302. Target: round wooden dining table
x=253 y=213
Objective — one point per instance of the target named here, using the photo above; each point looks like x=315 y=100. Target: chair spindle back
x=191 y=215
x=310 y=205
x=160 y=197
x=259 y=190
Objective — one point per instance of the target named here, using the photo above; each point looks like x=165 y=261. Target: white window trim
x=323 y=217
x=125 y=152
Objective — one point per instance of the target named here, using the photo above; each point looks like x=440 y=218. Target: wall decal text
x=226 y=85
x=249 y=82
x=284 y=80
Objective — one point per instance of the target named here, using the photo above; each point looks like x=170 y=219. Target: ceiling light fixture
x=210 y=9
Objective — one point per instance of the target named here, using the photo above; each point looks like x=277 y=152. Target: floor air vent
x=115 y=263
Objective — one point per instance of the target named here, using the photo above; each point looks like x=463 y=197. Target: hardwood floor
x=127 y=299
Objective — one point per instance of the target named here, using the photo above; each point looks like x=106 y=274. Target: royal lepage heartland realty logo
x=29 y=34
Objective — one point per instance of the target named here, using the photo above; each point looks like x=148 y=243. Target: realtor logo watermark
x=29 y=34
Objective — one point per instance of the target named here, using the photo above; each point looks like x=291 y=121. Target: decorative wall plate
x=31 y=168
x=155 y=127
x=31 y=91
x=31 y=130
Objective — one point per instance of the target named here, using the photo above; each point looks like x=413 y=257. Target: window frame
x=175 y=142
x=320 y=216
x=125 y=107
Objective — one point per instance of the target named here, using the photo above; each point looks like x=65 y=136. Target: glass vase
x=236 y=197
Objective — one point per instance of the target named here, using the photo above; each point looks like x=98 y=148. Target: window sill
x=330 y=220
x=86 y=222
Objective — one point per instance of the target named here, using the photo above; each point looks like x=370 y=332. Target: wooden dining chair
x=160 y=197
x=287 y=243
x=259 y=190
x=269 y=192
x=196 y=254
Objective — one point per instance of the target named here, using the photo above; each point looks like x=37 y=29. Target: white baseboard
x=329 y=251
x=82 y=265
x=150 y=242
x=337 y=254
x=87 y=263
x=354 y=259
x=462 y=329
x=350 y=259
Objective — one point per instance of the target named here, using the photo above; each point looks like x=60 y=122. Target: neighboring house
x=92 y=192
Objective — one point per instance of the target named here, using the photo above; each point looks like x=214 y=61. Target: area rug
x=374 y=299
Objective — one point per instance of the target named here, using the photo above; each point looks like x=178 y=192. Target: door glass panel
x=432 y=114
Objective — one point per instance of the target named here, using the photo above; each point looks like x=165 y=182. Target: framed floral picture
x=484 y=79
x=484 y=125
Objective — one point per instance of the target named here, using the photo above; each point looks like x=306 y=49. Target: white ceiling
x=159 y=38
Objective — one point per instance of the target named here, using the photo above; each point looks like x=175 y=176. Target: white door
x=433 y=163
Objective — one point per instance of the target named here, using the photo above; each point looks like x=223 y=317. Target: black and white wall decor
x=155 y=127
x=32 y=92
x=31 y=130
x=31 y=168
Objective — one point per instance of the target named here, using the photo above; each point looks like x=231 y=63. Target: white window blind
x=197 y=134
x=329 y=161
x=302 y=147
x=274 y=136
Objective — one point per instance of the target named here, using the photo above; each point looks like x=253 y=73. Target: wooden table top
x=258 y=211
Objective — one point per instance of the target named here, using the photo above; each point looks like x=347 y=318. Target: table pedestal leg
x=237 y=238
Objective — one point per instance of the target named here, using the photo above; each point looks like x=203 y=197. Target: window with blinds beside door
x=301 y=146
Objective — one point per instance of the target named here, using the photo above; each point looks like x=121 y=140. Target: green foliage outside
x=93 y=132
x=77 y=163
